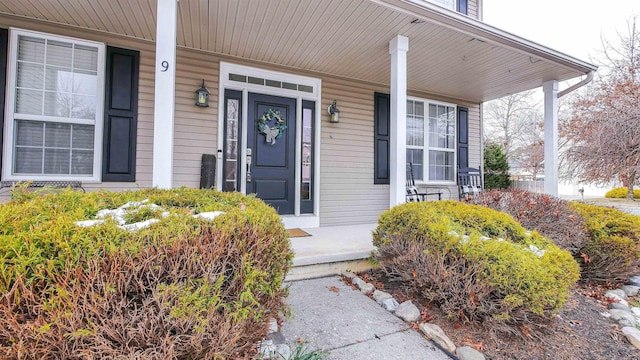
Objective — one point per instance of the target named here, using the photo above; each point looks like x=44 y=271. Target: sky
x=573 y=27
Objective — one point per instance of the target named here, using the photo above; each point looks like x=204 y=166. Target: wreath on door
x=275 y=132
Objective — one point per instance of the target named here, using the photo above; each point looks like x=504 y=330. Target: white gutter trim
x=430 y=12
x=575 y=86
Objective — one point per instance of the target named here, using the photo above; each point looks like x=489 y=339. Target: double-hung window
x=56 y=94
x=431 y=140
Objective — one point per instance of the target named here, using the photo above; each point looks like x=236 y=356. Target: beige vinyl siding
x=348 y=194
x=196 y=128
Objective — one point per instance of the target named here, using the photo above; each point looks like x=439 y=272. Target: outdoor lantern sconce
x=202 y=96
x=334 y=112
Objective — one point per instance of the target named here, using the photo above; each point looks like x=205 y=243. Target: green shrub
x=613 y=251
x=496 y=167
x=475 y=262
x=550 y=216
x=621 y=193
x=182 y=288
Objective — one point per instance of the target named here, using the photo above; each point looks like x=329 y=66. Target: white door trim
x=291 y=86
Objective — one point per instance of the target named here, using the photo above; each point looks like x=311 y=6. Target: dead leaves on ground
x=478 y=345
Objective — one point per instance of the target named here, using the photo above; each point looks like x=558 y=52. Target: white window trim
x=426 y=147
x=7 y=158
x=455 y=5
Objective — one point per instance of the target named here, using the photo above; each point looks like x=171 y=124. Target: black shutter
x=382 y=125
x=462 y=7
x=463 y=137
x=120 y=115
x=4 y=42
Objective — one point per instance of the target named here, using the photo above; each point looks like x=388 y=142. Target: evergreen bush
x=621 y=193
x=613 y=251
x=182 y=288
x=478 y=264
x=496 y=167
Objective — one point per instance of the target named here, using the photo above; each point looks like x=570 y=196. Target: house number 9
x=165 y=66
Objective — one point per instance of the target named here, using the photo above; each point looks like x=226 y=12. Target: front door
x=271 y=143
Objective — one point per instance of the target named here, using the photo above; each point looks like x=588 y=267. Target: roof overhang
x=450 y=54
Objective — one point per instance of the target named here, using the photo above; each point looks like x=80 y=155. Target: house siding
x=196 y=128
x=348 y=192
x=473 y=9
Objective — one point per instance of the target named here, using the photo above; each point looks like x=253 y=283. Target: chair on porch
x=412 y=193
x=469 y=183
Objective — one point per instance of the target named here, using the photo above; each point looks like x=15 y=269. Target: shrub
x=550 y=216
x=182 y=288
x=475 y=262
x=621 y=193
x=613 y=251
x=496 y=167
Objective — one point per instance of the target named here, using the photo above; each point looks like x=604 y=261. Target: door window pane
x=307 y=153
x=231 y=145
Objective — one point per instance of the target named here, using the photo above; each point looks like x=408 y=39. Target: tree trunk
x=630 y=190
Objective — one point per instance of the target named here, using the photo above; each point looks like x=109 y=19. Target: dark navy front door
x=271 y=136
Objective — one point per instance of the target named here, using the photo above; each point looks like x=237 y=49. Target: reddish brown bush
x=550 y=216
x=182 y=289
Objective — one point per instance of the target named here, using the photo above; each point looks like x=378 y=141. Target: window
x=431 y=143
x=462 y=5
x=54 y=122
x=448 y=4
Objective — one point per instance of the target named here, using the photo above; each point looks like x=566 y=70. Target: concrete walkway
x=330 y=316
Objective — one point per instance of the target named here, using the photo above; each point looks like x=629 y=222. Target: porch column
x=164 y=107
x=398 y=48
x=550 y=89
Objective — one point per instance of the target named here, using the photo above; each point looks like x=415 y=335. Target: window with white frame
x=449 y=4
x=431 y=140
x=55 y=108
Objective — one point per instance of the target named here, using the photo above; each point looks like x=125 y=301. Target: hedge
x=478 y=264
x=621 y=193
x=182 y=288
x=613 y=251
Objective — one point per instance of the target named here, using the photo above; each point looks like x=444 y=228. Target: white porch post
x=398 y=48
x=550 y=89
x=164 y=107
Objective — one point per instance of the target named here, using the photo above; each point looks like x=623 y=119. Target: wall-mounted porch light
x=202 y=96
x=334 y=112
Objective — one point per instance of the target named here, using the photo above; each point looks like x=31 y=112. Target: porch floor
x=330 y=250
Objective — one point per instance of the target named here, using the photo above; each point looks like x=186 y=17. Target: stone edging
x=274 y=346
x=619 y=310
x=408 y=312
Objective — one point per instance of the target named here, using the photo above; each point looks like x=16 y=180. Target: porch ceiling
x=449 y=54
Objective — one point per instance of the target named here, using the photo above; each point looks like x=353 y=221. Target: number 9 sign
x=164 y=65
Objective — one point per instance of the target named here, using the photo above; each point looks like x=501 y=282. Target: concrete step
x=331 y=250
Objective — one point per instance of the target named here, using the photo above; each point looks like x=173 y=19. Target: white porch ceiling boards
x=347 y=38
